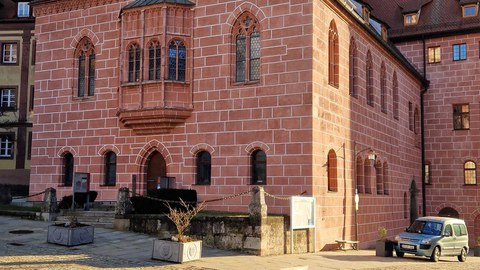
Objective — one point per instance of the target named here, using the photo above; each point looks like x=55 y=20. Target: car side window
x=456 y=229
x=448 y=230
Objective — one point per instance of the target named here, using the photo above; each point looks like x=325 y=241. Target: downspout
x=422 y=113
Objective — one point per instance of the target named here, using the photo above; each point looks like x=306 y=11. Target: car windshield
x=425 y=227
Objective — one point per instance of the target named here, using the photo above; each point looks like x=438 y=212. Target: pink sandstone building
x=296 y=96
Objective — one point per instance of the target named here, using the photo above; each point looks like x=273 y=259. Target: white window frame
x=23 y=10
x=7 y=98
x=9 y=53
x=6 y=146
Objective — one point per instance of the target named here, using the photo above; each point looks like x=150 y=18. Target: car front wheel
x=435 y=254
x=399 y=254
x=463 y=255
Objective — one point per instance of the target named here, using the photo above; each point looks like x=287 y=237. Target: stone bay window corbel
x=156 y=86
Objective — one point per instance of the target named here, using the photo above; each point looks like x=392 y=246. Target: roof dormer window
x=470 y=10
x=366 y=14
x=410 y=19
x=384 y=32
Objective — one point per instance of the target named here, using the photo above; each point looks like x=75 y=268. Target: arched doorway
x=448 y=212
x=156 y=168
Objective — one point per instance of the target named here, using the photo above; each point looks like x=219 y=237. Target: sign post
x=81 y=184
x=303 y=215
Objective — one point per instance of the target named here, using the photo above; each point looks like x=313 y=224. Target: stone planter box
x=384 y=248
x=171 y=251
x=476 y=251
x=67 y=236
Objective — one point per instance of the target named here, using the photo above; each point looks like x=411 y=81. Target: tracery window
x=333 y=55
x=85 y=55
x=369 y=78
x=353 y=68
x=383 y=88
x=247 y=48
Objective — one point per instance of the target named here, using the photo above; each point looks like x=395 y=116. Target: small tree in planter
x=383 y=246
x=180 y=248
x=71 y=233
x=476 y=249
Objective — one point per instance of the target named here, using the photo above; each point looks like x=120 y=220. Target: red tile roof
x=435 y=17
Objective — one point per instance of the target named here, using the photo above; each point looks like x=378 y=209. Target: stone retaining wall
x=272 y=237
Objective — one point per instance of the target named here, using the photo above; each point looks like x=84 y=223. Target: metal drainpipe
x=422 y=113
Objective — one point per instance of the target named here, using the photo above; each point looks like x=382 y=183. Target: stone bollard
x=50 y=207
x=257 y=208
x=122 y=208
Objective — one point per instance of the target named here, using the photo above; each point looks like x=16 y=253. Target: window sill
x=245 y=83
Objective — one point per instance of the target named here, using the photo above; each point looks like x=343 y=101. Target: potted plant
x=476 y=249
x=383 y=246
x=71 y=233
x=179 y=248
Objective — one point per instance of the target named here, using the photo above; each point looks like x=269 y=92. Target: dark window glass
x=459 y=52
x=91 y=74
x=154 y=62
x=137 y=63
x=81 y=75
x=352 y=70
x=110 y=169
x=68 y=169
x=461 y=117
x=131 y=64
x=204 y=168
x=395 y=97
x=259 y=168
x=7 y=99
x=254 y=56
x=333 y=55
x=383 y=88
x=182 y=63
x=172 y=62
x=369 y=77
x=241 y=58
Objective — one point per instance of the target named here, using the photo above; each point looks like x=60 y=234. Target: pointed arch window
x=134 y=63
x=177 y=60
x=68 y=169
x=259 y=167
x=332 y=171
x=333 y=55
x=204 y=168
x=247 y=48
x=395 y=96
x=110 y=168
x=85 y=68
x=383 y=88
x=369 y=79
x=353 y=68
x=154 y=61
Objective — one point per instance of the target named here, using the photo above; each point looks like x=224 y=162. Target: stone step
x=102 y=219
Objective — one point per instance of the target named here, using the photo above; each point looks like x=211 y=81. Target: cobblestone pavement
x=125 y=250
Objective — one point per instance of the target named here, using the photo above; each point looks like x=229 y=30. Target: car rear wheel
x=435 y=254
x=463 y=255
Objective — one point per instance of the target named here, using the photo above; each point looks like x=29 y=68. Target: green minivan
x=434 y=237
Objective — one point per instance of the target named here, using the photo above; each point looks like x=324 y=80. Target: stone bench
x=343 y=244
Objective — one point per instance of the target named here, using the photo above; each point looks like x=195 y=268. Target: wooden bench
x=342 y=244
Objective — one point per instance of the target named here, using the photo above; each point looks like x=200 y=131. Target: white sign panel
x=302 y=212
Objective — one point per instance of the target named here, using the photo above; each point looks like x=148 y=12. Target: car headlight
x=426 y=241
x=398 y=238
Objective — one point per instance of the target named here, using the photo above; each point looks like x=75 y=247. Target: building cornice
x=46 y=7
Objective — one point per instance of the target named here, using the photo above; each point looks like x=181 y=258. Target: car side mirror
x=447 y=234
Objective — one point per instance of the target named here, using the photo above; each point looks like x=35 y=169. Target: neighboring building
x=289 y=95
x=16 y=91
x=441 y=38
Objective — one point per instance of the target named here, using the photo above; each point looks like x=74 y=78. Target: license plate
x=408 y=246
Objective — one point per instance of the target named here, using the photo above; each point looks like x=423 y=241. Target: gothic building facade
x=297 y=96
